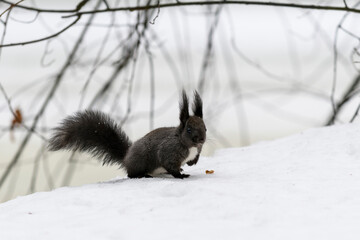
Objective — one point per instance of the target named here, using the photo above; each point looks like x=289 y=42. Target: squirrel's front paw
x=179 y=175
x=185 y=176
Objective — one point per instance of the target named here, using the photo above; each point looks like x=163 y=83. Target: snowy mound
x=302 y=187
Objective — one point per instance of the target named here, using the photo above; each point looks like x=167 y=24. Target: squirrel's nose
x=197 y=139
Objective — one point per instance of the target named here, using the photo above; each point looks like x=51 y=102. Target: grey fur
x=161 y=148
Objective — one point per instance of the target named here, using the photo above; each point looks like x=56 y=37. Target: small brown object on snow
x=209 y=171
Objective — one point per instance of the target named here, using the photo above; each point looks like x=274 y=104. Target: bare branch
x=203 y=3
x=257 y=65
x=335 y=63
x=355 y=114
x=26 y=21
x=157 y=14
x=152 y=84
x=39 y=10
x=106 y=4
x=5 y=28
x=50 y=95
x=349 y=93
x=349 y=33
x=42 y=39
x=209 y=50
x=11 y=6
x=70 y=170
x=14 y=114
x=36 y=169
x=129 y=53
x=81 y=5
x=46 y=53
x=75 y=12
x=97 y=62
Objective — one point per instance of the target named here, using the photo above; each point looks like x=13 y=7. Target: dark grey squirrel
x=163 y=150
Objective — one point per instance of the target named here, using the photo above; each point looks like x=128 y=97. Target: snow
x=305 y=186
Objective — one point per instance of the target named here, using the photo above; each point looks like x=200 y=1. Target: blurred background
x=263 y=71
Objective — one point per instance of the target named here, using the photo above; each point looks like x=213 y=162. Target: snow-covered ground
x=306 y=186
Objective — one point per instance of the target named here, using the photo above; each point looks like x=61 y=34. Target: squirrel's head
x=192 y=128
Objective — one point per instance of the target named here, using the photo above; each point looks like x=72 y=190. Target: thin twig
x=26 y=21
x=349 y=33
x=15 y=116
x=152 y=84
x=39 y=10
x=42 y=39
x=257 y=65
x=97 y=62
x=48 y=175
x=128 y=53
x=235 y=86
x=72 y=163
x=157 y=14
x=5 y=28
x=168 y=59
x=134 y=58
x=335 y=62
x=355 y=114
x=135 y=49
x=11 y=6
x=46 y=53
x=35 y=171
x=70 y=170
x=50 y=95
x=106 y=4
x=208 y=51
x=349 y=93
x=183 y=41
x=120 y=65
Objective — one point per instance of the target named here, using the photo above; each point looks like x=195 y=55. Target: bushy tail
x=93 y=132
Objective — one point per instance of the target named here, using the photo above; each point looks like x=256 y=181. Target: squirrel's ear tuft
x=198 y=105
x=184 y=108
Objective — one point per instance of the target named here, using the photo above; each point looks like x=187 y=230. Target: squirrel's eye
x=188 y=130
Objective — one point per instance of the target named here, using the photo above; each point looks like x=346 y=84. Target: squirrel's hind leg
x=139 y=175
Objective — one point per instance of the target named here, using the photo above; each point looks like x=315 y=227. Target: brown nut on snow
x=209 y=171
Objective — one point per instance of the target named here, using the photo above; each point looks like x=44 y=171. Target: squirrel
x=163 y=150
